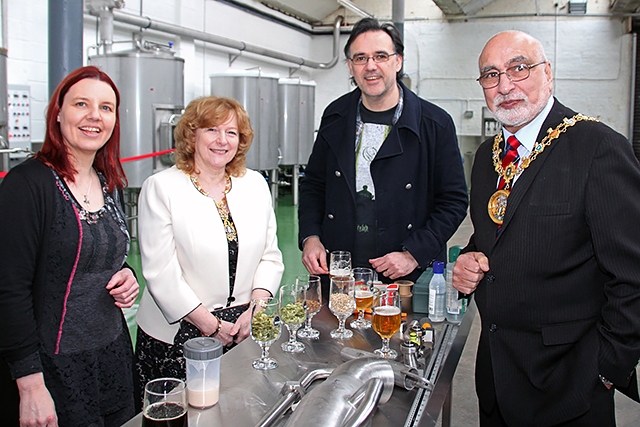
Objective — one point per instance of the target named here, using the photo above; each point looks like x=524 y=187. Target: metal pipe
x=530 y=15
x=328 y=403
x=365 y=400
x=65 y=39
x=3 y=42
x=295 y=392
x=354 y=8
x=397 y=15
x=404 y=376
x=106 y=29
x=148 y=23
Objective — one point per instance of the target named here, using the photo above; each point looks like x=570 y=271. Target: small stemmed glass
x=364 y=295
x=292 y=314
x=265 y=329
x=386 y=320
x=312 y=303
x=342 y=303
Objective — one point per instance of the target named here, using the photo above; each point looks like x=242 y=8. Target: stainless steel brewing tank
x=296 y=101
x=258 y=94
x=151 y=85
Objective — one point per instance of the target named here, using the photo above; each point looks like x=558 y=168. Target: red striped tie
x=510 y=156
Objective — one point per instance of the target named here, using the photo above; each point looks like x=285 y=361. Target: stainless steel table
x=247 y=394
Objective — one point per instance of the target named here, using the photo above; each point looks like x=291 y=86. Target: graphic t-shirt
x=374 y=129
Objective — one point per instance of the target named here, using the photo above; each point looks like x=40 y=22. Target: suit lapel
x=557 y=113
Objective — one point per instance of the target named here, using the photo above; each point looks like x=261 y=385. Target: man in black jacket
x=385 y=178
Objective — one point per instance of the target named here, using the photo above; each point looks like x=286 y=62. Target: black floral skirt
x=157 y=359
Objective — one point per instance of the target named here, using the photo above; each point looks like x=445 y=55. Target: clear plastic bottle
x=455 y=307
x=437 y=293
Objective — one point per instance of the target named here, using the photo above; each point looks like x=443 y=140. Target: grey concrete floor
x=464 y=406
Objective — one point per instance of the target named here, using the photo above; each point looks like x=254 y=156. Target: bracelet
x=219 y=326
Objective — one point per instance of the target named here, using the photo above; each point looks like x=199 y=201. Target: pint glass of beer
x=165 y=403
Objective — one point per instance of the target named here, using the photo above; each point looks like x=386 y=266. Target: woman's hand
x=36 y=405
x=124 y=288
x=208 y=324
x=242 y=328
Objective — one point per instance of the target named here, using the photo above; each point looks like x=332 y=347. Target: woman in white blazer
x=208 y=242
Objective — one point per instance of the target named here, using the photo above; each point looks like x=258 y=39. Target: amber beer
x=386 y=320
x=364 y=299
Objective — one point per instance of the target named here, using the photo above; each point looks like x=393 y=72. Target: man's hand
x=314 y=256
x=469 y=270
x=394 y=264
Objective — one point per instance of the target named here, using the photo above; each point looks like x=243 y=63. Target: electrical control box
x=19 y=123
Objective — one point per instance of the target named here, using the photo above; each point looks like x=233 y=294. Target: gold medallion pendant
x=497 y=206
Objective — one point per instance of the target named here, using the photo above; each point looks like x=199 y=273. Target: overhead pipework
x=354 y=8
x=107 y=13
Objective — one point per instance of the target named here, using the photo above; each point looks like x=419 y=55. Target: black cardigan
x=27 y=210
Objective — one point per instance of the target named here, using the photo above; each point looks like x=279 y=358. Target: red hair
x=54 y=151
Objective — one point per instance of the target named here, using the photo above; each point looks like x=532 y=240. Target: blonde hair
x=206 y=112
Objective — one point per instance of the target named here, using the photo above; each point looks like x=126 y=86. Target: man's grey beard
x=519 y=116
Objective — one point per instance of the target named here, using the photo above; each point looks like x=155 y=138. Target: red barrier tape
x=145 y=156
x=128 y=159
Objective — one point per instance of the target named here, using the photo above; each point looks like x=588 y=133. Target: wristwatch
x=608 y=384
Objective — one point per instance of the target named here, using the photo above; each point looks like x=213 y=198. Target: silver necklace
x=86 y=194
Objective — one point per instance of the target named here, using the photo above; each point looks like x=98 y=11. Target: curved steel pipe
x=293 y=391
x=365 y=400
x=330 y=402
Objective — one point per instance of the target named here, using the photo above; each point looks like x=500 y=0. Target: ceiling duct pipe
x=397 y=15
x=65 y=39
x=148 y=23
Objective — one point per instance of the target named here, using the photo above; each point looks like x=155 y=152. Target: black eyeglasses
x=517 y=73
x=377 y=58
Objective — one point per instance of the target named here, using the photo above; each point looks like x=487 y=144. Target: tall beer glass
x=340 y=264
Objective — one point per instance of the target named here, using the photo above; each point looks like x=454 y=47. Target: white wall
x=591 y=56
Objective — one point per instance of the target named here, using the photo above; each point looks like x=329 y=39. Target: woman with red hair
x=65 y=351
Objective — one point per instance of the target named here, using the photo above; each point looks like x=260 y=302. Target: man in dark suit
x=554 y=259
x=385 y=178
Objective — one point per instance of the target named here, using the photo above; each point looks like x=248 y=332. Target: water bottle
x=455 y=307
x=437 y=293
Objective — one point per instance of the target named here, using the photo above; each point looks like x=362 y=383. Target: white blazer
x=185 y=258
